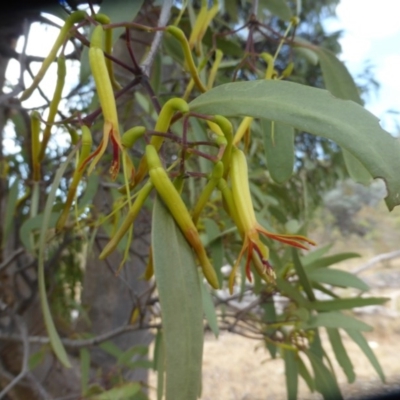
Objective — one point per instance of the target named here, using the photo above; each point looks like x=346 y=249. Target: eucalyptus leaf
x=315 y=111
x=291 y=374
x=120 y=11
x=336 y=277
x=9 y=214
x=209 y=308
x=341 y=84
x=55 y=340
x=315 y=255
x=325 y=382
x=364 y=346
x=279 y=8
x=279 y=149
x=324 y=262
x=123 y=392
x=84 y=356
x=181 y=306
x=346 y=304
x=335 y=319
x=341 y=354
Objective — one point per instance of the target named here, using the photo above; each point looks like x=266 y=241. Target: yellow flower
x=248 y=226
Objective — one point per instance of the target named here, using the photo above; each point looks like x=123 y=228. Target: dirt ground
x=236 y=368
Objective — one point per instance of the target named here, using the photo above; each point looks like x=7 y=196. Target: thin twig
x=11 y=258
x=375 y=260
x=24 y=368
x=162 y=21
x=78 y=343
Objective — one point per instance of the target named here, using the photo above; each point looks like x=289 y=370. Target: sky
x=372 y=34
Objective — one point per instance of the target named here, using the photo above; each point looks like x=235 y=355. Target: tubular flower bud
x=162 y=125
x=173 y=201
x=251 y=229
x=107 y=103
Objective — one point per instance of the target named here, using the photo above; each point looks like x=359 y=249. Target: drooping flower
x=248 y=226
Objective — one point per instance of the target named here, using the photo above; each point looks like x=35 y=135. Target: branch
x=375 y=260
x=78 y=343
x=24 y=368
x=162 y=21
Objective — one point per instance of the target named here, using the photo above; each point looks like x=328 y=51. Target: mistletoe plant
x=214 y=131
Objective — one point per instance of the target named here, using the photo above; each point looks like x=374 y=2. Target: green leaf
x=291 y=374
x=315 y=111
x=55 y=340
x=335 y=319
x=159 y=363
x=305 y=374
x=315 y=255
x=346 y=304
x=209 y=308
x=111 y=348
x=337 y=277
x=279 y=149
x=341 y=84
x=325 y=382
x=305 y=51
x=269 y=317
x=302 y=275
x=292 y=292
x=84 y=355
x=181 y=306
x=337 y=78
x=341 y=354
x=122 y=392
x=92 y=185
x=330 y=260
x=36 y=358
x=9 y=214
x=34 y=224
x=364 y=346
x=277 y=7
x=120 y=11
x=355 y=169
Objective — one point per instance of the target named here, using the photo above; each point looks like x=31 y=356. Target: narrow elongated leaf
x=305 y=374
x=10 y=210
x=337 y=277
x=315 y=111
x=302 y=275
x=325 y=382
x=355 y=169
x=159 y=363
x=337 y=78
x=291 y=374
x=181 y=306
x=209 y=309
x=84 y=355
x=324 y=262
x=346 y=304
x=315 y=255
x=341 y=354
x=279 y=8
x=292 y=292
x=341 y=84
x=123 y=392
x=336 y=320
x=34 y=224
x=269 y=316
x=364 y=346
x=55 y=340
x=279 y=149
x=120 y=11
